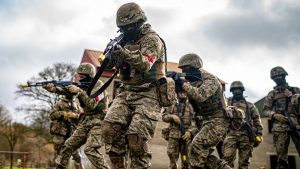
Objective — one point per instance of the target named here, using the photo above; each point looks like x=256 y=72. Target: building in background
x=265 y=153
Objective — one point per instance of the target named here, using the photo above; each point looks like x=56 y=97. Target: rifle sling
x=96 y=78
x=106 y=84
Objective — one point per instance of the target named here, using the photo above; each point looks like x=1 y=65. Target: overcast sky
x=237 y=39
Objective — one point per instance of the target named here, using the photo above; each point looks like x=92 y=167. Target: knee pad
x=76 y=157
x=110 y=130
x=136 y=144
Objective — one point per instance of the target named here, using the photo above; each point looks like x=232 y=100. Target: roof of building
x=93 y=56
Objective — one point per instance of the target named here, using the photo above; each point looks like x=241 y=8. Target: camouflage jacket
x=251 y=114
x=96 y=105
x=187 y=117
x=207 y=95
x=277 y=102
x=146 y=61
x=59 y=125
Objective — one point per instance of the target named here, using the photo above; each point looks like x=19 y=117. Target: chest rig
x=159 y=67
x=184 y=112
x=281 y=102
x=242 y=104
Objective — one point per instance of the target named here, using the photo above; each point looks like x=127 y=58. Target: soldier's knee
x=88 y=150
x=110 y=130
x=76 y=158
x=136 y=144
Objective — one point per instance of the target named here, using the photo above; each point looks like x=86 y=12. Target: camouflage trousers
x=174 y=149
x=237 y=140
x=132 y=116
x=88 y=132
x=59 y=145
x=281 y=142
x=211 y=133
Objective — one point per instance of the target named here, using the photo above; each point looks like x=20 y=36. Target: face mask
x=181 y=96
x=131 y=31
x=279 y=80
x=238 y=94
x=192 y=74
x=87 y=79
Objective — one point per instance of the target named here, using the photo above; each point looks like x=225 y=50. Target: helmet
x=86 y=69
x=237 y=84
x=130 y=13
x=276 y=71
x=190 y=59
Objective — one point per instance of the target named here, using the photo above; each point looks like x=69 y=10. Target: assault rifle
x=107 y=51
x=250 y=131
x=182 y=142
x=83 y=85
x=292 y=126
x=179 y=78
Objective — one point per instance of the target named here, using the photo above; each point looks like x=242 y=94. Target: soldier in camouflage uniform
x=88 y=130
x=239 y=138
x=207 y=99
x=181 y=119
x=64 y=117
x=277 y=102
x=135 y=110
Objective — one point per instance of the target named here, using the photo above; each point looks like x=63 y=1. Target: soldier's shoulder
x=294 y=89
x=207 y=75
x=271 y=93
x=250 y=104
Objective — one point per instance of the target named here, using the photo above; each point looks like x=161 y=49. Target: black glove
x=193 y=74
x=175 y=76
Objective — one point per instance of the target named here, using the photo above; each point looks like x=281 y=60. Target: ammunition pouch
x=166 y=91
x=235 y=116
x=58 y=128
x=165 y=133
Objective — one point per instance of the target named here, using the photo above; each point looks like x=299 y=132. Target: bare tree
x=4 y=116
x=39 y=102
x=13 y=132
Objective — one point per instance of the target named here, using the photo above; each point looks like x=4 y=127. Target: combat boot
x=60 y=167
x=117 y=162
x=78 y=165
x=227 y=167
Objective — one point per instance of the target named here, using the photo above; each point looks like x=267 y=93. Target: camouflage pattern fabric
x=275 y=102
x=239 y=139
x=87 y=132
x=137 y=113
x=59 y=145
x=146 y=57
x=136 y=108
x=59 y=126
x=174 y=148
x=213 y=126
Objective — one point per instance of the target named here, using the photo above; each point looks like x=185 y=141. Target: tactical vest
x=212 y=105
x=280 y=101
x=135 y=77
x=185 y=112
x=60 y=126
x=243 y=105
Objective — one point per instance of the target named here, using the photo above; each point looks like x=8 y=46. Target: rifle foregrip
x=24 y=85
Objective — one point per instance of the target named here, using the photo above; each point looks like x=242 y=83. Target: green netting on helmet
x=86 y=69
x=130 y=13
x=277 y=71
x=190 y=59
